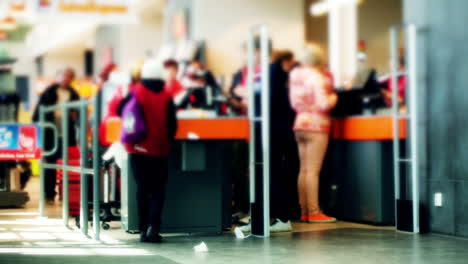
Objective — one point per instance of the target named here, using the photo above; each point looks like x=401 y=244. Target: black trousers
x=284 y=170
x=240 y=177
x=151 y=175
x=51 y=174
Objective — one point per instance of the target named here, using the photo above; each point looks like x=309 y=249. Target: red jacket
x=174 y=87
x=159 y=112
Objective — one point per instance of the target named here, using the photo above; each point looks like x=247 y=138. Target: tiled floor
x=26 y=239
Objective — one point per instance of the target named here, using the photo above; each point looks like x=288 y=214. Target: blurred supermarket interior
x=245 y=167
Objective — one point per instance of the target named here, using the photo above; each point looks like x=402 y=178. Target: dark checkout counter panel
x=357 y=181
x=198 y=194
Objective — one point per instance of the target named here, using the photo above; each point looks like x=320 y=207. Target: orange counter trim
x=366 y=128
x=214 y=129
x=355 y=128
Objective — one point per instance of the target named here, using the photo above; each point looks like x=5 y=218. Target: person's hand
x=240 y=91
x=333 y=98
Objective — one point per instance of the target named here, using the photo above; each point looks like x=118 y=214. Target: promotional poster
x=19 y=142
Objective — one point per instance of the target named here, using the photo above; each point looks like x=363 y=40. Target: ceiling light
x=323 y=7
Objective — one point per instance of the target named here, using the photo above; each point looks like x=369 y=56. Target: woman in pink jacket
x=312 y=98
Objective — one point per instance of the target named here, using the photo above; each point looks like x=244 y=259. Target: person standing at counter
x=149 y=158
x=238 y=92
x=284 y=157
x=173 y=86
x=312 y=98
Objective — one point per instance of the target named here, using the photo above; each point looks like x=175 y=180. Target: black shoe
x=142 y=237
x=152 y=236
x=154 y=239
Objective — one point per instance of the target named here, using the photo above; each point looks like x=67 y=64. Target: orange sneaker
x=320 y=218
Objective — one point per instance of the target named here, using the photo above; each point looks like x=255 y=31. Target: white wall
x=129 y=43
x=25 y=63
x=54 y=62
x=139 y=40
x=224 y=25
x=375 y=19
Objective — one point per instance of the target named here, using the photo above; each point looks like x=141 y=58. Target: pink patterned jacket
x=309 y=93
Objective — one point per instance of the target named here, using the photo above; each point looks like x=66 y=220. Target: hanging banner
x=19 y=142
x=89 y=11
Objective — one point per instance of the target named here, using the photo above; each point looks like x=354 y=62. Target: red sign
x=19 y=142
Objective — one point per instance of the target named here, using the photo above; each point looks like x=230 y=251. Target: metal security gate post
x=395 y=113
x=413 y=110
x=42 y=169
x=265 y=93
x=84 y=209
x=261 y=120
x=96 y=164
x=65 y=139
x=45 y=153
x=252 y=117
x=412 y=118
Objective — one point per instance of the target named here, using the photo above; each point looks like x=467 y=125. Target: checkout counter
x=198 y=194
x=357 y=176
x=356 y=183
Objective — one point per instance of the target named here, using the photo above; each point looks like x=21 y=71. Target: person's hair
x=70 y=70
x=312 y=55
x=171 y=63
x=282 y=55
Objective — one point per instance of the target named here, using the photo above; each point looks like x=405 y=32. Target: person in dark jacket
x=284 y=159
x=149 y=158
x=57 y=93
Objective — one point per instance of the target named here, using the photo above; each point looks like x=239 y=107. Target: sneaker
x=142 y=237
x=280 y=226
x=157 y=238
x=246 y=228
x=245 y=220
x=320 y=218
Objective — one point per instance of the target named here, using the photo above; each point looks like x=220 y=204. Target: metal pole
x=42 y=169
x=395 y=112
x=251 y=109
x=84 y=209
x=265 y=81
x=113 y=187
x=65 y=124
x=413 y=108
x=96 y=164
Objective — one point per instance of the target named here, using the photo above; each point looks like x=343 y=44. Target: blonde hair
x=312 y=55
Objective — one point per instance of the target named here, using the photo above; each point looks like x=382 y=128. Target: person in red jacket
x=149 y=158
x=173 y=86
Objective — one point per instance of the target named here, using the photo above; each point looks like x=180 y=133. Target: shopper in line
x=173 y=86
x=57 y=93
x=312 y=98
x=149 y=158
x=238 y=92
x=284 y=160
